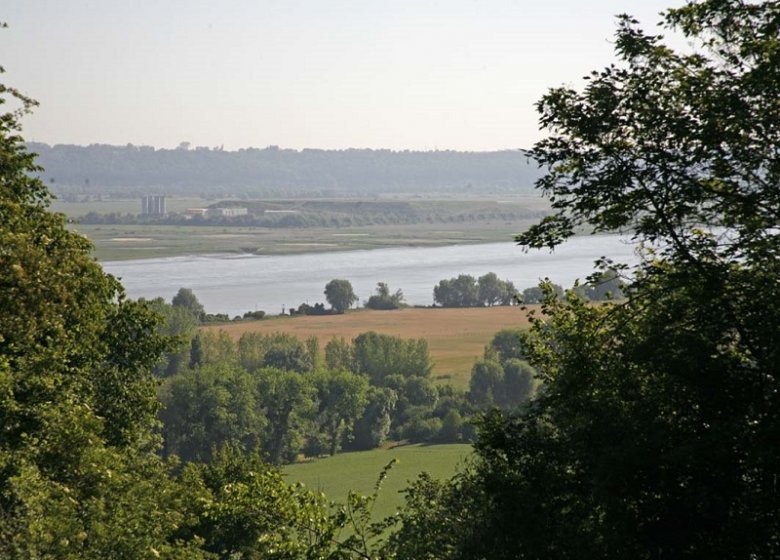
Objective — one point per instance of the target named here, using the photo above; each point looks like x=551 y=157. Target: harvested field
x=456 y=336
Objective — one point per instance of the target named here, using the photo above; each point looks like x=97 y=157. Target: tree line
x=273 y=171
x=283 y=397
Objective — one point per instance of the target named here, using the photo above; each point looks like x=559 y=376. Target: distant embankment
x=130 y=169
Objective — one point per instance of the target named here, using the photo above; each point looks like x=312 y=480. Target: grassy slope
x=336 y=476
x=456 y=337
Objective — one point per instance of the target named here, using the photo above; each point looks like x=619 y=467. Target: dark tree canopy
x=186 y=298
x=655 y=433
x=383 y=299
x=340 y=295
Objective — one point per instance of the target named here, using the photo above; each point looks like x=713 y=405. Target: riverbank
x=132 y=242
x=240 y=283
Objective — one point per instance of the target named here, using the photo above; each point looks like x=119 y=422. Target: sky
x=333 y=74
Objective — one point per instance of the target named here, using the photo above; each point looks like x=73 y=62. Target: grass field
x=336 y=476
x=456 y=337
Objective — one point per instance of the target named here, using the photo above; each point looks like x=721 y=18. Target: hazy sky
x=417 y=74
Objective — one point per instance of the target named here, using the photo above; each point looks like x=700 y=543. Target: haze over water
x=236 y=284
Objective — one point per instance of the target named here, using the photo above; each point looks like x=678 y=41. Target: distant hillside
x=279 y=172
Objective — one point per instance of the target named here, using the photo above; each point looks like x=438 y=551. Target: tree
x=242 y=508
x=78 y=462
x=506 y=344
x=492 y=290
x=372 y=428
x=209 y=407
x=535 y=294
x=287 y=400
x=383 y=299
x=342 y=398
x=186 y=298
x=650 y=437
x=380 y=355
x=487 y=379
x=603 y=285
x=457 y=292
x=179 y=325
x=340 y=295
x=519 y=384
x=338 y=355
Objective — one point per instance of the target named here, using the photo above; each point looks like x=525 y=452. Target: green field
x=336 y=476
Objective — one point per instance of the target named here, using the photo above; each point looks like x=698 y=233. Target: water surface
x=235 y=284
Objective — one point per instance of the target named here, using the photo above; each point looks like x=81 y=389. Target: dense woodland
x=272 y=171
x=653 y=435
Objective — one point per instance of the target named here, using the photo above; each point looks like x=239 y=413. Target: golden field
x=456 y=337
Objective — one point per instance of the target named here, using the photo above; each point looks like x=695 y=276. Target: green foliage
x=215 y=348
x=342 y=397
x=439 y=519
x=535 y=294
x=493 y=291
x=383 y=299
x=604 y=285
x=276 y=350
x=373 y=427
x=241 y=508
x=506 y=344
x=340 y=295
x=467 y=291
x=487 y=380
x=209 y=407
x=338 y=355
x=178 y=325
x=78 y=462
x=186 y=298
x=519 y=384
x=651 y=436
x=379 y=355
x=462 y=291
x=451 y=427
x=286 y=399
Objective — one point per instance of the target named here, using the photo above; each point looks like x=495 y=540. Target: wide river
x=235 y=284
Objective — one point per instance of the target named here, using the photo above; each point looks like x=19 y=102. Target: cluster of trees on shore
x=467 y=291
x=653 y=436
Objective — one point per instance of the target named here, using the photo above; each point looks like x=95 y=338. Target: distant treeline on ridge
x=272 y=170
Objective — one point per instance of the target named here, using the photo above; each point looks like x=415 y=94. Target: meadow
x=335 y=476
x=433 y=222
x=456 y=337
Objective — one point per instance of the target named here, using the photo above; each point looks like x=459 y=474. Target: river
x=234 y=284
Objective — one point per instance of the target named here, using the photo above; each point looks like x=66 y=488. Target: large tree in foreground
x=657 y=432
x=78 y=462
x=80 y=475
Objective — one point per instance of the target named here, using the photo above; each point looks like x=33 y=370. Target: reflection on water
x=235 y=284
